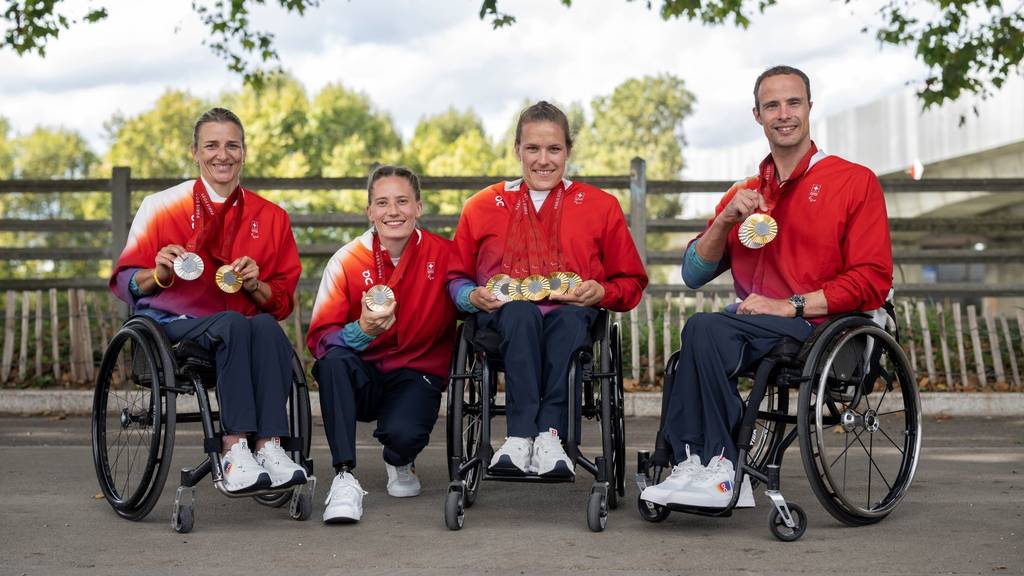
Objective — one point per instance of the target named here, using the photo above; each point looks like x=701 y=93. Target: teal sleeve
x=696 y=270
x=462 y=300
x=354 y=337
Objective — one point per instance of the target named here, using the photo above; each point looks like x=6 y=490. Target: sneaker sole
x=298 y=478
x=341 y=520
x=561 y=470
x=505 y=467
x=404 y=493
x=262 y=483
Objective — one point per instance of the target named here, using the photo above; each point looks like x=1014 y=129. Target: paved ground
x=963 y=515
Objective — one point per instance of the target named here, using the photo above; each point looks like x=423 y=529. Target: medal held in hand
x=504 y=287
x=189 y=266
x=379 y=297
x=564 y=282
x=758 y=230
x=535 y=287
x=228 y=280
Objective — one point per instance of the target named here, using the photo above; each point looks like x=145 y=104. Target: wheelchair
x=857 y=418
x=134 y=417
x=472 y=402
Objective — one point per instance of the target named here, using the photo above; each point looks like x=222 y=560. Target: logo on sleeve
x=812 y=196
x=431 y=270
x=254 y=229
x=579 y=198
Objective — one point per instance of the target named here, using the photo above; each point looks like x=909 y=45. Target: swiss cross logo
x=367 y=278
x=254 y=229
x=812 y=196
x=499 y=201
x=431 y=270
x=578 y=199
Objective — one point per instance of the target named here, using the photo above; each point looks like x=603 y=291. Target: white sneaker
x=549 y=458
x=746 y=499
x=283 y=471
x=402 y=481
x=681 y=476
x=344 y=503
x=709 y=488
x=513 y=457
x=241 y=471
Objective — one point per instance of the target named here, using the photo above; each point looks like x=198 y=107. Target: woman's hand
x=248 y=271
x=376 y=323
x=484 y=300
x=589 y=293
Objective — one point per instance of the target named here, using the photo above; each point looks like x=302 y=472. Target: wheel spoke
x=873 y=465
x=895 y=445
x=841 y=454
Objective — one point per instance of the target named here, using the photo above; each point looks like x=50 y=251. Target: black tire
x=186 y=520
x=768 y=434
x=843 y=416
x=650 y=511
x=618 y=419
x=303 y=509
x=274 y=500
x=467 y=394
x=597 y=511
x=779 y=528
x=133 y=419
x=454 y=512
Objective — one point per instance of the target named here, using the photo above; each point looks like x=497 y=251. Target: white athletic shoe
x=283 y=471
x=513 y=457
x=344 y=503
x=709 y=488
x=402 y=481
x=241 y=471
x=680 y=477
x=549 y=458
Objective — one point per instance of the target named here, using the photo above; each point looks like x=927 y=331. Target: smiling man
x=382 y=332
x=806 y=238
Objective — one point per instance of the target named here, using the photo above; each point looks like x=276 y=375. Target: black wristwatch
x=798 y=302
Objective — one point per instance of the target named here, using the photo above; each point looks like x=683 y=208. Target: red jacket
x=833 y=236
x=595 y=240
x=423 y=334
x=264 y=234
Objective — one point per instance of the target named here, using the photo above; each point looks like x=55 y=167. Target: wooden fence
x=60 y=335
x=69 y=320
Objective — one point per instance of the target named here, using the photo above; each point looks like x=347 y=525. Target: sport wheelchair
x=134 y=417
x=472 y=402
x=859 y=452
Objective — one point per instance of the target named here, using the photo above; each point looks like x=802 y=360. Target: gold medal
x=564 y=282
x=504 y=287
x=535 y=288
x=189 y=266
x=758 y=230
x=378 y=297
x=228 y=280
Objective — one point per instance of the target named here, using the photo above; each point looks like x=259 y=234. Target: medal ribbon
x=408 y=255
x=210 y=233
x=533 y=246
x=770 y=189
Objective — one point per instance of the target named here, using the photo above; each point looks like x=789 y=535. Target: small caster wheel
x=273 y=500
x=650 y=511
x=597 y=511
x=454 y=511
x=470 y=497
x=783 y=532
x=303 y=508
x=184 y=520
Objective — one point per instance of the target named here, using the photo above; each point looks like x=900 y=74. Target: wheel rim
x=867 y=444
x=128 y=415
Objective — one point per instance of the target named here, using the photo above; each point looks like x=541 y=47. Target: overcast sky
x=416 y=59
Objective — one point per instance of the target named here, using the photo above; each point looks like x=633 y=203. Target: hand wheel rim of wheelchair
x=132 y=424
x=860 y=452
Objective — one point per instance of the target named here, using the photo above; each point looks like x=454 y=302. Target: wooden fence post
x=666 y=329
x=297 y=324
x=74 y=356
x=634 y=344
x=943 y=342
x=651 y=355
x=88 y=361
x=5 y=364
x=26 y=311
x=638 y=206
x=979 y=360
x=1012 y=354
x=120 y=216
x=993 y=346
x=958 y=325
x=54 y=334
x=699 y=304
x=926 y=340
x=39 y=334
x=910 y=335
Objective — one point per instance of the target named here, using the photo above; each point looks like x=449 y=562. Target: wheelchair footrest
x=529 y=478
x=700 y=510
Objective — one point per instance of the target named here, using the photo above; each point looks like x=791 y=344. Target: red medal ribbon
x=408 y=255
x=209 y=232
x=534 y=245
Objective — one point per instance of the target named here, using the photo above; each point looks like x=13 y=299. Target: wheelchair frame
x=156 y=368
x=469 y=446
x=826 y=378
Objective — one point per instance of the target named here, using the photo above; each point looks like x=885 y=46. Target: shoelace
x=348 y=485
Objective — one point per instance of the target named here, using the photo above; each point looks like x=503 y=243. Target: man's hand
x=248 y=271
x=484 y=300
x=757 y=304
x=745 y=202
x=376 y=323
x=165 y=262
x=589 y=293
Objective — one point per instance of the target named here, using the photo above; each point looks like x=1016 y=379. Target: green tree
x=348 y=134
x=156 y=142
x=276 y=120
x=52 y=153
x=6 y=156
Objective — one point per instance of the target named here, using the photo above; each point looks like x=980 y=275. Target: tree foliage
x=156 y=142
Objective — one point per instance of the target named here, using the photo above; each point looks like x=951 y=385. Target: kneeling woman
x=382 y=332
x=217 y=264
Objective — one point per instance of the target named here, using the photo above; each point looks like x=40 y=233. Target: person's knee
x=407 y=439
x=267 y=322
x=520 y=316
x=339 y=362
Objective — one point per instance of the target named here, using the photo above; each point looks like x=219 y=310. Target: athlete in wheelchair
x=537 y=261
x=808 y=245
x=196 y=327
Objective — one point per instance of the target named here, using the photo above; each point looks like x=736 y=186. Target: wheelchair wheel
x=767 y=433
x=617 y=421
x=133 y=420
x=466 y=394
x=859 y=419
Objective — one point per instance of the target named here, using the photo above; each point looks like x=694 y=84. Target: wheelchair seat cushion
x=190 y=355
